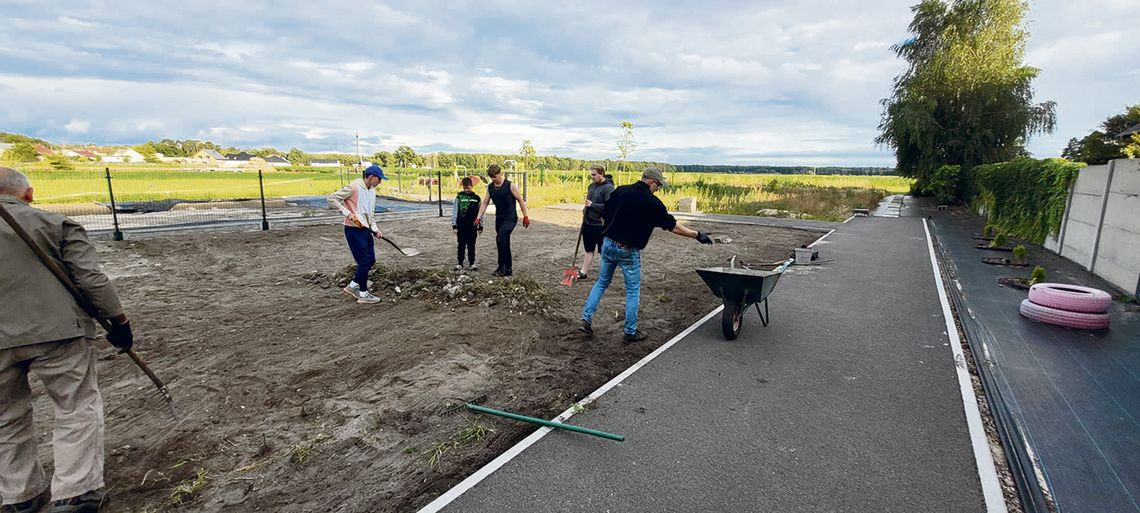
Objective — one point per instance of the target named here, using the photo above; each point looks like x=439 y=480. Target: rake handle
x=82 y=300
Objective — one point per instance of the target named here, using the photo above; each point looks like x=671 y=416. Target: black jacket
x=464 y=210
x=599 y=194
x=633 y=212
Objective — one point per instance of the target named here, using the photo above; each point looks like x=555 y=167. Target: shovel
x=570 y=275
x=406 y=252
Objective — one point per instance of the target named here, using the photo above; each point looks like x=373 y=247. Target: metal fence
x=124 y=199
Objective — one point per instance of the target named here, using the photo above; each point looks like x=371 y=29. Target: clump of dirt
x=516 y=294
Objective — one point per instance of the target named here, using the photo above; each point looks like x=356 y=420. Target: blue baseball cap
x=376 y=171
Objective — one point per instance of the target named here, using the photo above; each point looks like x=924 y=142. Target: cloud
x=723 y=82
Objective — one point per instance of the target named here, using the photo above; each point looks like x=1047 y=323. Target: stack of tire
x=1071 y=306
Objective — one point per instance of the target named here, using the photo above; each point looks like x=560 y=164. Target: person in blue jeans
x=631 y=214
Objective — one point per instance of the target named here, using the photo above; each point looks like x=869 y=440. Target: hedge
x=1023 y=197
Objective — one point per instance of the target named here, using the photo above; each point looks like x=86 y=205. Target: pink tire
x=1073 y=298
x=1079 y=320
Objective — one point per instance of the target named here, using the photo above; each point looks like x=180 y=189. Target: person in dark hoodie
x=601 y=186
x=463 y=214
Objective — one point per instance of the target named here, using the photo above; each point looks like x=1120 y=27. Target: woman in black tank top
x=504 y=195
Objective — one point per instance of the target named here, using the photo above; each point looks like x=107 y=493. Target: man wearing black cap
x=357 y=201
x=631 y=214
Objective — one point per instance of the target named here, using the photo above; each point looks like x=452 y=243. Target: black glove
x=454 y=227
x=479 y=227
x=703 y=238
x=121 y=337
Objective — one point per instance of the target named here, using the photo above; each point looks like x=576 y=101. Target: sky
x=711 y=82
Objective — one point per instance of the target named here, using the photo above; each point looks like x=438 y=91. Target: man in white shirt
x=357 y=201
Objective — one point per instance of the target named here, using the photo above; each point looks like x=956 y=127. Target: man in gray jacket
x=43 y=330
x=597 y=194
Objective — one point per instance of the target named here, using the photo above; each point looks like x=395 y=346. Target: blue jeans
x=629 y=259
x=360 y=243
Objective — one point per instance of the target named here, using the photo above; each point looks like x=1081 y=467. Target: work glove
x=526 y=221
x=704 y=238
x=479 y=227
x=121 y=337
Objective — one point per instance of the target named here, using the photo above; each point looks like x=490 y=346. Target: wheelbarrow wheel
x=731 y=319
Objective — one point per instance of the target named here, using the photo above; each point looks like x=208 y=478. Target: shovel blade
x=410 y=251
x=569 y=276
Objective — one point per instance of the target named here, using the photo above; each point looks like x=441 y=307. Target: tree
x=21 y=152
x=526 y=152
x=626 y=144
x=148 y=152
x=965 y=98
x=1105 y=144
x=297 y=157
x=1133 y=148
x=404 y=156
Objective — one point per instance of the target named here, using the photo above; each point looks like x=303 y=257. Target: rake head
x=454 y=408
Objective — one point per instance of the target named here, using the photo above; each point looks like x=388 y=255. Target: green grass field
x=816 y=197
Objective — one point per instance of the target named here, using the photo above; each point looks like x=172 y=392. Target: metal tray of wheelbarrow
x=740 y=288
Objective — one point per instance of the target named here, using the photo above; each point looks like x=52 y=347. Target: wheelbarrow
x=740 y=288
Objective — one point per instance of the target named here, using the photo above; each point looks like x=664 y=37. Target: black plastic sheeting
x=1068 y=399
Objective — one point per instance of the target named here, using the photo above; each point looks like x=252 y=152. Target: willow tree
x=965 y=98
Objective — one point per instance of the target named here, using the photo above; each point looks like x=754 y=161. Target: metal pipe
x=569 y=427
x=117 y=235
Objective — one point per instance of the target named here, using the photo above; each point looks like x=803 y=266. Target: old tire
x=1049 y=315
x=731 y=319
x=1073 y=298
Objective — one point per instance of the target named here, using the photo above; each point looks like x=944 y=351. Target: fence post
x=261 y=185
x=526 y=177
x=439 y=190
x=117 y=235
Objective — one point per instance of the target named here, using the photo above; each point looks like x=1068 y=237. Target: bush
x=1019 y=253
x=943 y=185
x=1037 y=276
x=999 y=241
x=1024 y=197
x=989 y=230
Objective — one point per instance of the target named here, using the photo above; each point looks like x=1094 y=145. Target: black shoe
x=635 y=337
x=32 y=505
x=586 y=328
x=89 y=502
x=508 y=272
x=583 y=276
x=498 y=272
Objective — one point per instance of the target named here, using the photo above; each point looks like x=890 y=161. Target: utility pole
x=359 y=159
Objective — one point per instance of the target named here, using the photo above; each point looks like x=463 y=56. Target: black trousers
x=466 y=240
x=503 y=229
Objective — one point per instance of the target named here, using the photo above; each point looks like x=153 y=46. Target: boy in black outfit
x=463 y=214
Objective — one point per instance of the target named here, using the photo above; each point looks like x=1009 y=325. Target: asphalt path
x=848 y=401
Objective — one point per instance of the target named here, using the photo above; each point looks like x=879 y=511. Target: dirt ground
x=293 y=398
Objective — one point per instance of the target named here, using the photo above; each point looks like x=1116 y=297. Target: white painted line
x=991 y=487
x=443 y=500
x=848 y=219
x=821 y=237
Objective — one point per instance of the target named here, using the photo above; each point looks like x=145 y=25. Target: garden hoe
x=84 y=303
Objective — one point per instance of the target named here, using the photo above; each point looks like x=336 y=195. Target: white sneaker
x=457 y=268
x=473 y=267
x=352 y=290
x=367 y=298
